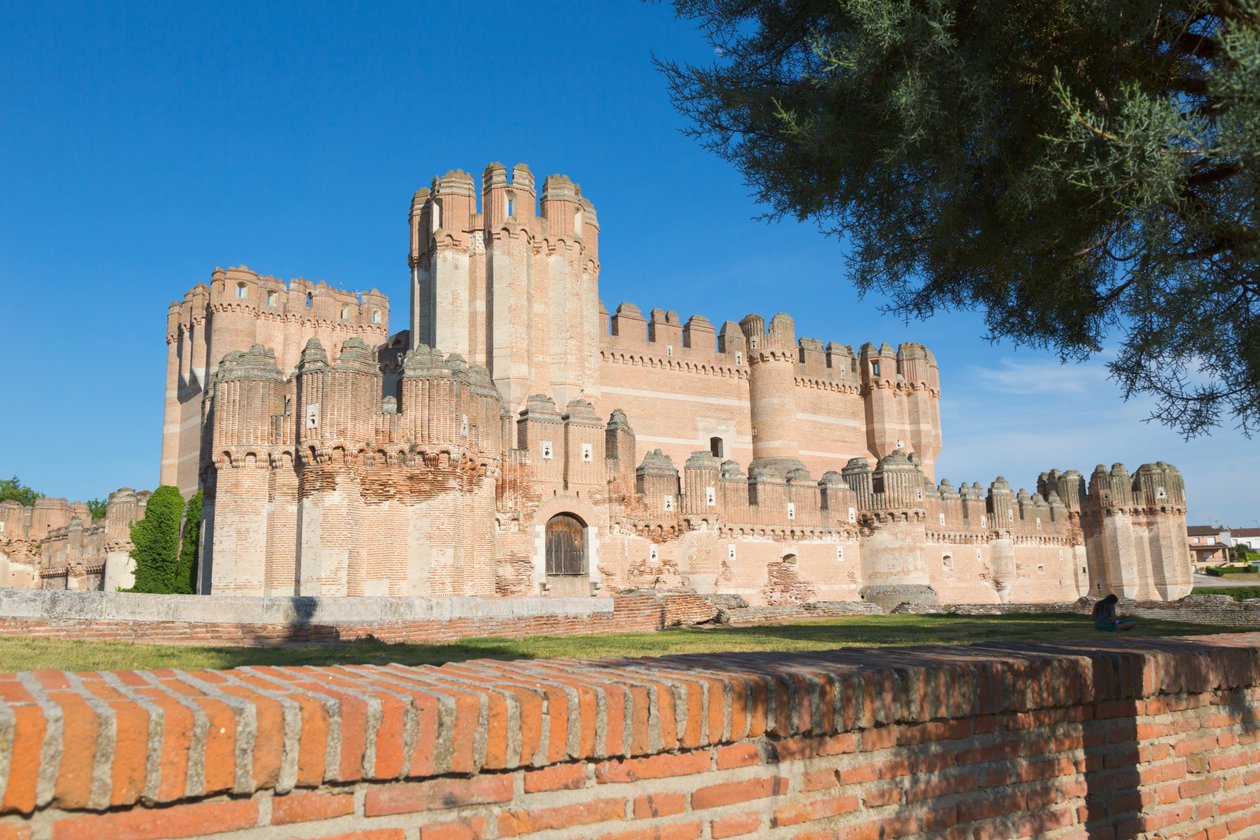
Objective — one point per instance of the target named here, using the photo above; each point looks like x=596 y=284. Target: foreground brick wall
x=1133 y=738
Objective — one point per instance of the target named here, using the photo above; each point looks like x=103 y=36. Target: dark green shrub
x=186 y=572
x=156 y=542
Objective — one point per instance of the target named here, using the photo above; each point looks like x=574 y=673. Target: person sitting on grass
x=1105 y=616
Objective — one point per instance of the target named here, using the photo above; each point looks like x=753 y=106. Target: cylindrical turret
x=772 y=392
x=700 y=480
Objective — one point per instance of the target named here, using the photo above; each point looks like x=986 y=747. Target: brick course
x=1119 y=738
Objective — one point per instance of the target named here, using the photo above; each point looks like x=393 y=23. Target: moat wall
x=1126 y=738
x=279 y=620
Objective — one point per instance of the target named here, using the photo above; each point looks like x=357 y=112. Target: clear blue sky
x=143 y=145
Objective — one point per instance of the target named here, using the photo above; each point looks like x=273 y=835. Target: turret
x=1001 y=505
x=921 y=379
x=897 y=483
x=540 y=430
x=772 y=391
x=838 y=501
x=656 y=481
x=584 y=438
x=877 y=368
x=701 y=475
x=857 y=474
x=310 y=392
x=562 y=211
x=248 y=395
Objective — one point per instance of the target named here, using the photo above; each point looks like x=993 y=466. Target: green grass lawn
x=21 y=654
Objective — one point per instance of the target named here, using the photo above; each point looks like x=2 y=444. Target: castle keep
x=519 y=439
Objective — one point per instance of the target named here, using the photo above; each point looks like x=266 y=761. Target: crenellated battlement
x=239 y=288
x=453 y=213
x=663 y=333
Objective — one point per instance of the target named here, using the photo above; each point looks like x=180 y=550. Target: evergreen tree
x=98 y=508
x=1080 y=171
x=186 y=574
x=156 y=541
x=12 y=489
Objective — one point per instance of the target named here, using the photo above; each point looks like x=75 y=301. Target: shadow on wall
x=1022 y=738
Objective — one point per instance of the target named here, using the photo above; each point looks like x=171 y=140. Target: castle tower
x=892 y=557
x=248 y=393
x=1160 y=493
x=239 y=309
x=772 y=392
x=509 y=288
x=922 y=380
x=886 y=430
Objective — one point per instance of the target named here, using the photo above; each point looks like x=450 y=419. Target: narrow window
x=669 y=504
x=853 y=514
x=345 y=313
x=654 y=553
x=546 y=450
x=947 y=560
x=309 y=299
x=839 y=554
x=716 y=447
x=376 y=316
x=739 y=358
x=730 y=551
x=669 y=350
x=588 y=453
x=463 y=425
x=791 y=510
x=710 y=496
x=272 y=298
x=942 y=520
x=241 y=291
x=509 y=208
x=874 y=368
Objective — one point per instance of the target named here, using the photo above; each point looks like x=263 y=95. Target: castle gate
x=566 y=545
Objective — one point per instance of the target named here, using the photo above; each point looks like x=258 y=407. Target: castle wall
x=239 y=309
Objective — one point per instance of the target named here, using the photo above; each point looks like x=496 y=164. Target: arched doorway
x=566 y=545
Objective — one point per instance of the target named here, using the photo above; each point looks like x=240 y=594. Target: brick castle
x=548 y=447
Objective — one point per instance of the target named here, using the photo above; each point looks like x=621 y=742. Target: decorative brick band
x=1116 y=739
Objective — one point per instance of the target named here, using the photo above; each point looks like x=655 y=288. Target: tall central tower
x=512 y=286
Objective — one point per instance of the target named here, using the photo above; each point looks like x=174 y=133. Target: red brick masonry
x=1118 y=738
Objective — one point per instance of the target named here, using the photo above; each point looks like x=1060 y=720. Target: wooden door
x=566 y=545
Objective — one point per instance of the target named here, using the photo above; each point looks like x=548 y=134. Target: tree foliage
x=156 y=542
x=98 y=508
x=12 y=489
x=1080 y=171
x=185 y=580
